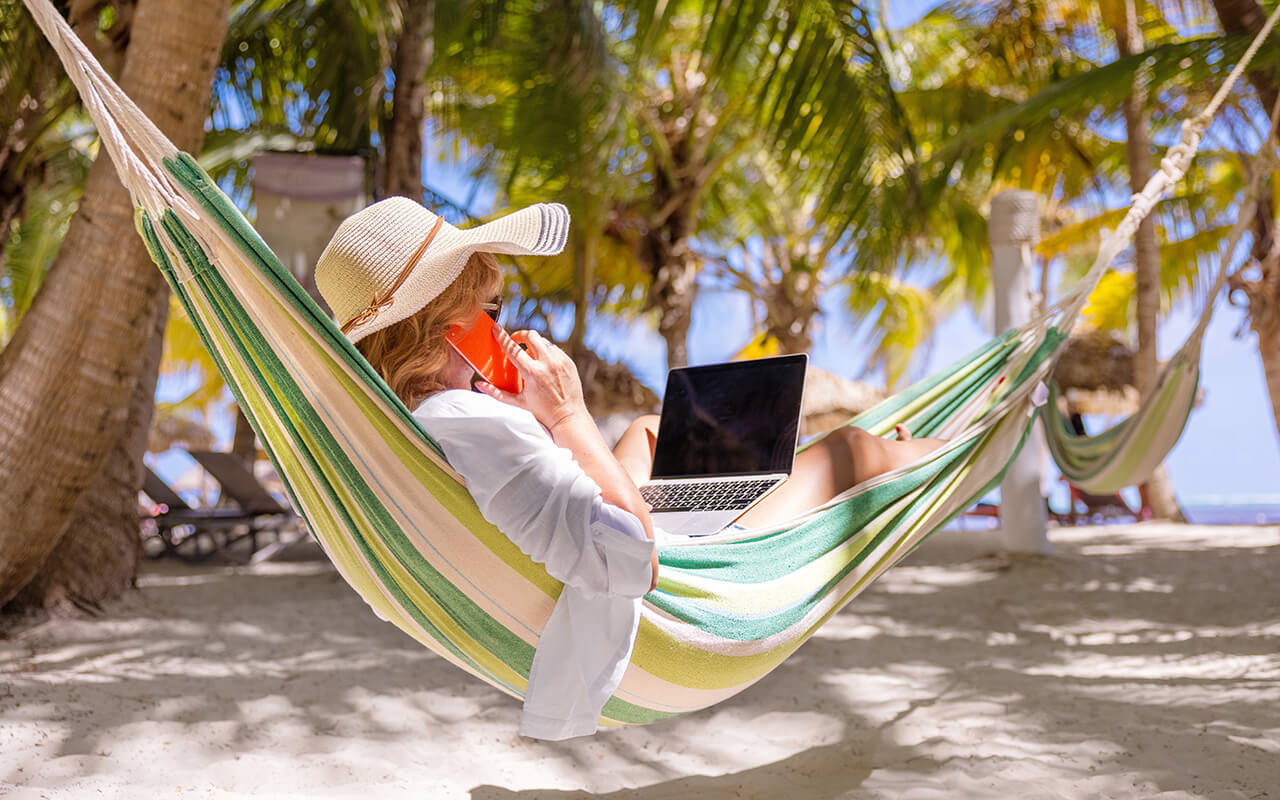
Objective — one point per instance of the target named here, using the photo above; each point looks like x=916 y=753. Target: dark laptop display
x=730 y=419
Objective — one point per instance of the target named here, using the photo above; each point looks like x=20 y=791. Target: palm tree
x=777 y=251
x=38 y=162
x=76 y=381
x=1259 y=281
x=1158 y=491
x=1042 y=130
x=678 y=91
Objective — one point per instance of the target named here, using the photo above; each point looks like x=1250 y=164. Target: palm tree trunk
x=1158 y=491
x=1263 y=297
x=1268 y=329
x=20 y=168
x=402 y=170
x=674 y=285
x=674 y=291
x=70 y=377
x=1269 y=348
x=584 y=272
x=1246 y=17
x=790 y=308
x=98 y=557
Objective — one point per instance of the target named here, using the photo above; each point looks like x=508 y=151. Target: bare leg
x=841 y=461
x=634 y=450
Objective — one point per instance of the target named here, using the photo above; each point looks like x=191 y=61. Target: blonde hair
x=411 y=354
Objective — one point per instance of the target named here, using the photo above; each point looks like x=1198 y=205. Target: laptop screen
x=741 y=418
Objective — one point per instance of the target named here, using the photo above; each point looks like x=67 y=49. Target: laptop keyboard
x=710 y=496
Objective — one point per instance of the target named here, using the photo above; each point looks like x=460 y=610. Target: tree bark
x=46 y=97
x=673 y=286
x=674 y=291
x=1263 y=297
x=584 y=272
x=674 y=283
x=1246 y=18
x=402 y=168
x=1159 y=488
x=98 y=558
x=1268 y=331
x=69 y=378
x=791 y=305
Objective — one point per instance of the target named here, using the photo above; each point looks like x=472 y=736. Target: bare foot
x=904 y=433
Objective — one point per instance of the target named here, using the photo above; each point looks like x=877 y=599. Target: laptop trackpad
x=694 y=523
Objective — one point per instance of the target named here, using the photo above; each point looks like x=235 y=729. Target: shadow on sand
x=1152 y=662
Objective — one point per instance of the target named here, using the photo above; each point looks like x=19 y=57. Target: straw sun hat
x=386 y=262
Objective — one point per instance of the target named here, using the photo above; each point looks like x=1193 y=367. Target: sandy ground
x=1139 y=661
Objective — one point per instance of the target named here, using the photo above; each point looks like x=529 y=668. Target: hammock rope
x=401 y=528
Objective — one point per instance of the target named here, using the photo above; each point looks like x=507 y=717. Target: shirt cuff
x=628 y=553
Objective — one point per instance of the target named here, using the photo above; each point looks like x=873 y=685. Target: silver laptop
x=727 y=438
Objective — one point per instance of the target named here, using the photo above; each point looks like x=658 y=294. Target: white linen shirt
x=535 y=493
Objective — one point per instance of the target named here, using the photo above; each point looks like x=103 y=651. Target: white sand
x=1140 y=661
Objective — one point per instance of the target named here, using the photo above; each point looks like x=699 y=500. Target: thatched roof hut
x=610 y=388
x=615 y=396
x=1095 y=359
x=1096 y=373
x=830 y=399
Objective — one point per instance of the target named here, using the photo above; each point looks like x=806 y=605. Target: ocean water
x=1244 y=514
x=1267 y=513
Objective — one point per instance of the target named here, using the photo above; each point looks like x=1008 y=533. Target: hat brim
x=538 y=230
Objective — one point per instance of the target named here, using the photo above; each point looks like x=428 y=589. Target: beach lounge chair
x=1089 y=507
x=240 y=486
x=187 y=533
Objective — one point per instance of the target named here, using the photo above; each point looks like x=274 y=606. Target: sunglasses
x=493 y=308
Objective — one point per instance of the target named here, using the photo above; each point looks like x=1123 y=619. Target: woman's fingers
x=522 y=338
x=514 y=352
x=546 y=351
x=498 y=394
x=534 y=341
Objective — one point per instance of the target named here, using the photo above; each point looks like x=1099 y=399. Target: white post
x=1013 y=230
x=301 y=200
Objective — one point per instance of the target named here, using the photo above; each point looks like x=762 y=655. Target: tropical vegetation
x=793 y=151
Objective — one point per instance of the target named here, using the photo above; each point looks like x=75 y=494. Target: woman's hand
x=552 y=389
x=553 y=394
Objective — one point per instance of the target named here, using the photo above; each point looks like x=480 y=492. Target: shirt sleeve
x=536 y=494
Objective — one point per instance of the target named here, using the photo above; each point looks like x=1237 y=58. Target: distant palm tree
x=786 y=258
x=655 y=102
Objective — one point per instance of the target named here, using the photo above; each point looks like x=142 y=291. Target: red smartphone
x=479 y=347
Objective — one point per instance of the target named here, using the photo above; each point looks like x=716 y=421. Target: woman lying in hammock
x=397 y=277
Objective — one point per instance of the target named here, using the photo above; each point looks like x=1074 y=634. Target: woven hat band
x=378 y=304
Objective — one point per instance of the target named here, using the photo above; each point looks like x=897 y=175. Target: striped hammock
x=1127 y=453
x=402 y=529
